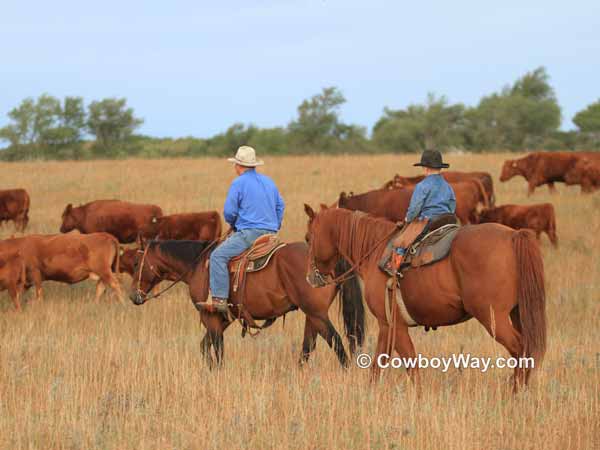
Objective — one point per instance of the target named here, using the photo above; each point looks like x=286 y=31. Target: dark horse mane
x=187 y=252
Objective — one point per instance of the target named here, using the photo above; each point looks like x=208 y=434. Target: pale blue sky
x=195 y=67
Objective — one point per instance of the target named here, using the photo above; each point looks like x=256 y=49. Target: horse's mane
x=187 y=252
x=358 y=232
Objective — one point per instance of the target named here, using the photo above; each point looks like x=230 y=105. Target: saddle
x=430 y=246
x=256 y=258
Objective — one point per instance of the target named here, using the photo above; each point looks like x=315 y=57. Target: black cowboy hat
x=432 y=159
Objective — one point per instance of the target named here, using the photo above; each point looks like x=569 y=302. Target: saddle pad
x=254 y=263
x=434 y=247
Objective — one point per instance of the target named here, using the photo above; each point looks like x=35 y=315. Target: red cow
x=541 y=168
x=12 y=276
x=202 y=226
x=451 y=177
x=123 y=220
x=539 y=218
x=68 y=258
x=14 y=205
x=586 y=173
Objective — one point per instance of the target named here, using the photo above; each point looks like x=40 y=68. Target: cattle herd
x=89 y=244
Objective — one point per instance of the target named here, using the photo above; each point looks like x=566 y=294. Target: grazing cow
x=202 y=226
x=539 y=218
x=123 y=220
x=451 y=177
x=14 y=205
x=68 y=258
x=541 y=168
x=12 y=276
x=586 y=173
x=393 y=204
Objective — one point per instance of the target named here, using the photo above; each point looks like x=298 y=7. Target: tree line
x=522 y=116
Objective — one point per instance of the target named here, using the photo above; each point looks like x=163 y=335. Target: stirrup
x=213 y=307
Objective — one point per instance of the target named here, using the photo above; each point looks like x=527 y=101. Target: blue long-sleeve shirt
x=432 y=197
x=253 y=201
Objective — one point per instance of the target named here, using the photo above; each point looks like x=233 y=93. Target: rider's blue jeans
x=219 y=259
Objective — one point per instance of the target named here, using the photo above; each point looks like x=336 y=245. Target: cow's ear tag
x=154 y=220
x=121 y=252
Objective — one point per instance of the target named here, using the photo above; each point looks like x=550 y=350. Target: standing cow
x=68 y=258
x=541 y=168
x=202 y=226
x=539 y=218
x=14 y=205
x=585 y=173
x=12 y=276
x=123 y=220
x=451 y=177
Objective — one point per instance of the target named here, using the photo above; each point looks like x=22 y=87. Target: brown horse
x=493 y=273
x=266 y=295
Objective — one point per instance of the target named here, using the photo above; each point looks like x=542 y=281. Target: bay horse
x=493 y=273
x=268 y=294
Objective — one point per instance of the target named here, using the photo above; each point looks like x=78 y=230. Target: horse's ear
x=324 y=207
x=309 y=211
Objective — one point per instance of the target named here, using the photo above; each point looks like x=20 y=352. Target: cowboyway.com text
x=444 y=363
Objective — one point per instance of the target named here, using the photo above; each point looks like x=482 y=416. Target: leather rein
x=350 y=273
x=145 y=295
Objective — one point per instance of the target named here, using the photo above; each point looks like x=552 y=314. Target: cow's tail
x=531 y=295
x=552 y=225
x=483 y=193
x=116 y=268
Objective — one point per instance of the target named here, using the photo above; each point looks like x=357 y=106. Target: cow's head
x=71 y=218
x=511 y=168
x=152 y=228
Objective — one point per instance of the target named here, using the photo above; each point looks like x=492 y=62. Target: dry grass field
x=75 y=374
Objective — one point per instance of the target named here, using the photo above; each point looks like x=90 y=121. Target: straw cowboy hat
x=246 y=156
x=432 y=159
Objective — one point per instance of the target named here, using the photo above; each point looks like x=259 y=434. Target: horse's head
x=145 y=273
x=322 y=254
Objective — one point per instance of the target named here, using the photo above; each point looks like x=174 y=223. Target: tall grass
x=78 y=374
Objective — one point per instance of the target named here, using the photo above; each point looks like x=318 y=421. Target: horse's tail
x=531 y=295
x=351 y=307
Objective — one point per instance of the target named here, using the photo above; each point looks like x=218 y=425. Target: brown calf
x=68 y=258
x=539 y=218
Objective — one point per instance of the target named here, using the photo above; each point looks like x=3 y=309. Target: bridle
x=145 y=295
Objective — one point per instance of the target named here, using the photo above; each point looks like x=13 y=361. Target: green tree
x=112 y=123
x=433 y=124
x=318 y=122
x=21 y=130
x=520 y=116
x=588 y=120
